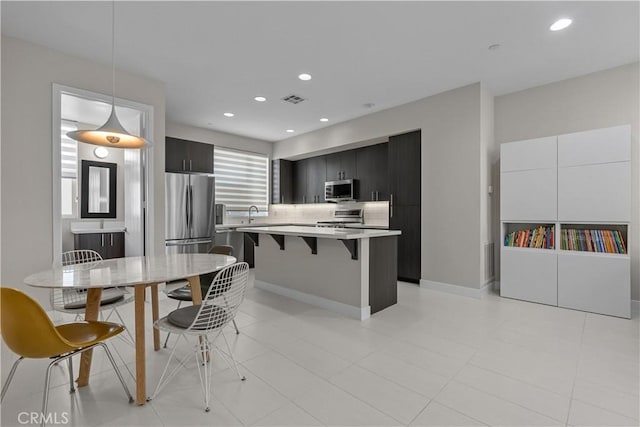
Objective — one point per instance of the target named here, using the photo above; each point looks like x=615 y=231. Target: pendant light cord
x=113 y=53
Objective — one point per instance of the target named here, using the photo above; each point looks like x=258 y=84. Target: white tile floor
x=433 y=359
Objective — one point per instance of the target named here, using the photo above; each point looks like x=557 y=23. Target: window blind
x=242 y=179
x=68 y=151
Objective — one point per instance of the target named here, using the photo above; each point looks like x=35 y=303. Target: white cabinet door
x=595 y=283
x=529 y=195
x=595 y=146
x=595 y=193
x=540 y=153
x=529 y=274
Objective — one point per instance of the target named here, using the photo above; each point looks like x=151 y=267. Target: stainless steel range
x=343 y=217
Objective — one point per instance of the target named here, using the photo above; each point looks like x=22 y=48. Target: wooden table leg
x=155 y=313
x=141 y=377
x=196 y=291
x=92 y=309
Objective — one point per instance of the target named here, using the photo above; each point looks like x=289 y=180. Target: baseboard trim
x=456 y=289
x=360 y=313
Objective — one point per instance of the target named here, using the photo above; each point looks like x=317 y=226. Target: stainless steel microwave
x=338 y=191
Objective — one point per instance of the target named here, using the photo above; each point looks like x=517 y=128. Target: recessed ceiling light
x=260 y=98
x=290 y=130
x=560 y=24
x=229 y=114
x=324 y=119
x=304 y=76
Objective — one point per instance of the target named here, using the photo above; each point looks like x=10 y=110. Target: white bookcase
x=570 y=185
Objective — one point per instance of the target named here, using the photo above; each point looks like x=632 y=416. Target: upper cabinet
x=341 y=165
x=372 y=173
x=404 y=168
x=281 y=181
x=299 y=173
x=188 y=156
x=316 y=177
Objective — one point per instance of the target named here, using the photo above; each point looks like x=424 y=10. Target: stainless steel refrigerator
x=189 y=212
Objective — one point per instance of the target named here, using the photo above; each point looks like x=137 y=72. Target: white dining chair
x=74 y=301
x=206 y=321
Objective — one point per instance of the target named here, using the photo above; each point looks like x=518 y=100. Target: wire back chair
x=183 y=294
x=207 y=321
x=74 y=300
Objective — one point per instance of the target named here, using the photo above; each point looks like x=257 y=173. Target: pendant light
x=112 y=133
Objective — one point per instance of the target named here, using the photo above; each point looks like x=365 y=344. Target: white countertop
x=89 y=227
x=322 y=232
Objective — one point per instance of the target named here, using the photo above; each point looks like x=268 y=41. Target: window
x=242 y=180
x=69 y=170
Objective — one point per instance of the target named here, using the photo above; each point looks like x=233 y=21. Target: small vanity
x=105 y=238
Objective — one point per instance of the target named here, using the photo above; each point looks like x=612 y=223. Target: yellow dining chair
x=28 y=332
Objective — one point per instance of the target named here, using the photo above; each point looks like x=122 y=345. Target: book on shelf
x=541 y=237
x=590 y=240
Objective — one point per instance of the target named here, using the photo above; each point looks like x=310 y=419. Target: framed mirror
x=98 y=192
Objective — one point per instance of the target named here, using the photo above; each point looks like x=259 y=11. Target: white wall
x=28 y=72
x=222 y=139
x=597 y=100
x=451 y=170
x=489 y=159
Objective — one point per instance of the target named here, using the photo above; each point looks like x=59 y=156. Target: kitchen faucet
x=252 y=207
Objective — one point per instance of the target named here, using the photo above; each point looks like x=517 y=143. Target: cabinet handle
x=190 y=168
x=304 y=199
x=281 y=199
x=102 y=239
x=372 y=195
x=111 y=239
x=184 y=165
x=377 y=196
x=391 y=205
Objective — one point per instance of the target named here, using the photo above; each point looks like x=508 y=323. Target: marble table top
x=129 y=271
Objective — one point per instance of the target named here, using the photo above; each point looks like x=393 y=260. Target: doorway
x=79 y=109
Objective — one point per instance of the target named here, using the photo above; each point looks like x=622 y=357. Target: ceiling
x=215 y=57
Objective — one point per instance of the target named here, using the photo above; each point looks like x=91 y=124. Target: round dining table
x=137 y=272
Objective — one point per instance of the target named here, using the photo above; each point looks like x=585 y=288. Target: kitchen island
x=351 y=271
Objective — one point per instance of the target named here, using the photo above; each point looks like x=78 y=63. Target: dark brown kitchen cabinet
x=281 y=181
x=185 y=156
x=341 y=165
x=108 y=245
x=372 y=173
x=407 y=220
x=404 y=154
x=316 y=177
x=299 y=172
x=309 y=176
x=249 y=251
x=404 y=168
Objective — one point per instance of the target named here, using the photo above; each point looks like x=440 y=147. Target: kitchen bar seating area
x=320 y=223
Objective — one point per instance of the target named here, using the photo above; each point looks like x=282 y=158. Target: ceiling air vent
x=293 y=99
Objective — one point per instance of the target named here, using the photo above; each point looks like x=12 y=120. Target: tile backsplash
x=375 y=213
